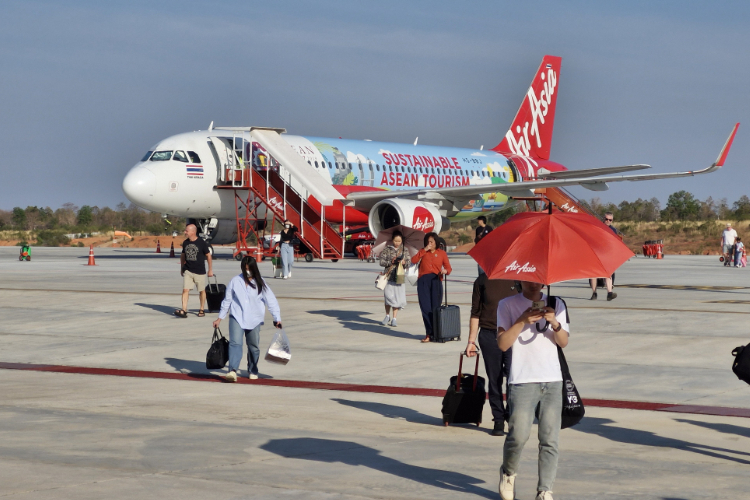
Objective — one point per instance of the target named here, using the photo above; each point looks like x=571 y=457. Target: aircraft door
x=224 y=160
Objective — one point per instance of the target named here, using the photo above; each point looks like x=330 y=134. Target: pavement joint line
x=379 y=299
x=720 y=411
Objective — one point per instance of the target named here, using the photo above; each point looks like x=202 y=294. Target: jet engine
x=415 y=214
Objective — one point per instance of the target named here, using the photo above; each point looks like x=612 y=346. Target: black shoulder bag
x=741 y=364
x=572 y=408
x=218 y=354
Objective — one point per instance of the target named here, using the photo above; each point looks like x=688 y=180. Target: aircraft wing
x=589 y=172
x=526 y=189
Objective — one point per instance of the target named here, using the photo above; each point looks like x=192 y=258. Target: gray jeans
x=522 y=404
x=287 y=258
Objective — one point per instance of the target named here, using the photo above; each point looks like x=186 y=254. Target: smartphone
x=538 y=305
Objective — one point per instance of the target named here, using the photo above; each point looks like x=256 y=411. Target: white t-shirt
x=729 y=235
x=534 y=354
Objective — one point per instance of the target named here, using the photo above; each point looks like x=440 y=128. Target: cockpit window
x=147 y=156
x=194 y=157
x=161 y=156
x=180 y=156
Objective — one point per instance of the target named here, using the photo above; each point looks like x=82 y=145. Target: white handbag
x=381 y=281
x=412 y=273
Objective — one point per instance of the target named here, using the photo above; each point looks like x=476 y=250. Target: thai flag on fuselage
x=195 y=170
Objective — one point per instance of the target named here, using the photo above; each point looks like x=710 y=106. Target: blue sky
x=88 y=87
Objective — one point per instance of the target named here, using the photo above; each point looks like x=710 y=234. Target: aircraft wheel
x=238 y=256
x=308 y=257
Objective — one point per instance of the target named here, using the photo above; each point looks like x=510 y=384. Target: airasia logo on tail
x=539 y=103
x=423 y=220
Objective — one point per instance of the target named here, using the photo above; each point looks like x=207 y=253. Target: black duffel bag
x=741 y=365
x=218 y=354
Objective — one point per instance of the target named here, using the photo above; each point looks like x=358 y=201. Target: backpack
x=741 y=364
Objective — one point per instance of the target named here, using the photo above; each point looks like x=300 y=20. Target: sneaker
x=393 y=322
x=499 y=429
x=611 y=296
x=231 y=376
x=507 y=486
x=386 y=320
x=290 y=274
x=593 y=296
x=286 y=277
x=252 y=376
x=544 y=495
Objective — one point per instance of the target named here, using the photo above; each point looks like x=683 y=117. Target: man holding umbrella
x=537 y=249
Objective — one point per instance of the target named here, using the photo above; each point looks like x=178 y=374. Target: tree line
x=87 y=219
x=681 y=206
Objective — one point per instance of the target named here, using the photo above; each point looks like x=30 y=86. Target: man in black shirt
x=482 y=230
x=608 y=282
x=193 y=259
x=487 y=293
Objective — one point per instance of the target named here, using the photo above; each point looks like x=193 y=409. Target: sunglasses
x=609 y=220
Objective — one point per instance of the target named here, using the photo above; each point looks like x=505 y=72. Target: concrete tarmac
x=666 y=339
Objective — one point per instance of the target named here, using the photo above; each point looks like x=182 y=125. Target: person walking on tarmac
x=483 y=329
x=286 y=242
x=246 y=300
x=395 y=292
x=433 y=265
x=482 y=230
x=535 y=381
x=608 y=282
x=194 y=255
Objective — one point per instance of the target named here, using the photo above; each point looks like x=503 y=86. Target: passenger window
x=147 y=156
x=329 y=164
x=194 y=157
x=377 y=167
x=316 y=164
x=161 y=156
x=180 y=156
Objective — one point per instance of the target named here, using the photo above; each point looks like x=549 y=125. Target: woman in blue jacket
x=246 y=299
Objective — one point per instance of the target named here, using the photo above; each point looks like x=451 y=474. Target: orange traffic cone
x=171 y=250
x=158 y=247
x=91 y=256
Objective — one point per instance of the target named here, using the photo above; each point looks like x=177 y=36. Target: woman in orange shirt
x=433 y=264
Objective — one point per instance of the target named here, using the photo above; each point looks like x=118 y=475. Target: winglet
x=725 y=150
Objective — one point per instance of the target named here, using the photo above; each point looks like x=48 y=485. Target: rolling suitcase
x=464 y=400
x=215 y=295
x=446 y=321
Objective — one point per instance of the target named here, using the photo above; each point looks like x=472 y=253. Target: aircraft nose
x=140 y=186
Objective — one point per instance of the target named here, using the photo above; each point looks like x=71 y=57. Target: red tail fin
x=531 y=131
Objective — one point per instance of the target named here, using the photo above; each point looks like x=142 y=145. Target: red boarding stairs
x=258 y=185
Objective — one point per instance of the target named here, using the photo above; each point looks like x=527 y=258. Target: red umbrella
x=549 y=248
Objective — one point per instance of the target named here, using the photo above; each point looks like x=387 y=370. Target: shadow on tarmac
x=188 y=365
x=355 y=320
x=392 y=411
x=351 y=453
x=159 y=308
x=601 y=427
x=725 y=428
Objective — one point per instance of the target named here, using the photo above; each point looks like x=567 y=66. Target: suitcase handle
x=216 y=283
x=460 y=367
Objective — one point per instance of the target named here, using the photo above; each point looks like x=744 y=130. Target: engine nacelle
x=221 y=232
x=415 y=214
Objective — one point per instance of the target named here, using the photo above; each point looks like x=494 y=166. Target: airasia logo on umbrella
x=526 y=268
x=423 y=220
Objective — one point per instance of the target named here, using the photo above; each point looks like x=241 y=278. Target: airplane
x=363 y=182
